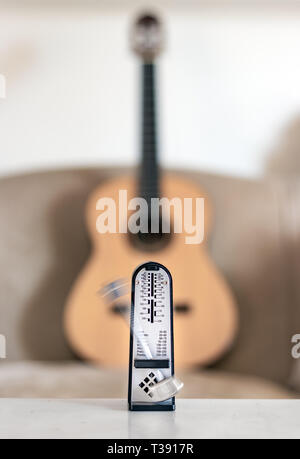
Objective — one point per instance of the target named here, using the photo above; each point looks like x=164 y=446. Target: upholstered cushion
x=68 y=380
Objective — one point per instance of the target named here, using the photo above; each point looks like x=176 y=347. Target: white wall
x=230 y=81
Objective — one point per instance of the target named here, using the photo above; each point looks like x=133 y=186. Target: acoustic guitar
x=205 y=316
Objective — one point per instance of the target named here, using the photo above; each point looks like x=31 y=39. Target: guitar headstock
x=147 y=36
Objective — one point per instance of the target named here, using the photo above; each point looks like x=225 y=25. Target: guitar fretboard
x=149 y=168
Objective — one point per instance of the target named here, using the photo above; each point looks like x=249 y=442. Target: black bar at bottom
x=158 y=363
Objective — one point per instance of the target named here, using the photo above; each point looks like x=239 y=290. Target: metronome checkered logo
x=148 y=383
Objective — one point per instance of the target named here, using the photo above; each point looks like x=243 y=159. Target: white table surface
x=109 y=418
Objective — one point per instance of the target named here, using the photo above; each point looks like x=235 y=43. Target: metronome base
x=153 y=407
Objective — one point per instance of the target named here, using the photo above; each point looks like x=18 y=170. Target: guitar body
x=206 y=326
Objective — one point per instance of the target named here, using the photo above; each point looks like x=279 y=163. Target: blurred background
x=229 y=120
x=228 y=83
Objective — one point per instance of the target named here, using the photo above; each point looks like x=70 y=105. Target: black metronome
x=152 y=384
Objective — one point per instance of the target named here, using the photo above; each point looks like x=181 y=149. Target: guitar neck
x=149 y=179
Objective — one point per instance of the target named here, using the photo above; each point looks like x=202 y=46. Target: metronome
x=152 y=384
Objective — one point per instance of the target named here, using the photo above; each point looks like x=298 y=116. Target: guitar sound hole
x=150 y=241
x=181 y=308
x=120 y=309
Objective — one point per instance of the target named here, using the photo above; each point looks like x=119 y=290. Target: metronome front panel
x=152 y=333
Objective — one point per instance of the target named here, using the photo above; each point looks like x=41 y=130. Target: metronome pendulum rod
x=166 y=387
x=137 y=330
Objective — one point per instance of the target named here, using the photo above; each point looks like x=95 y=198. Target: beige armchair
x=43 y=241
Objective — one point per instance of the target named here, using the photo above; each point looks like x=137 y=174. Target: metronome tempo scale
x=152 y=296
